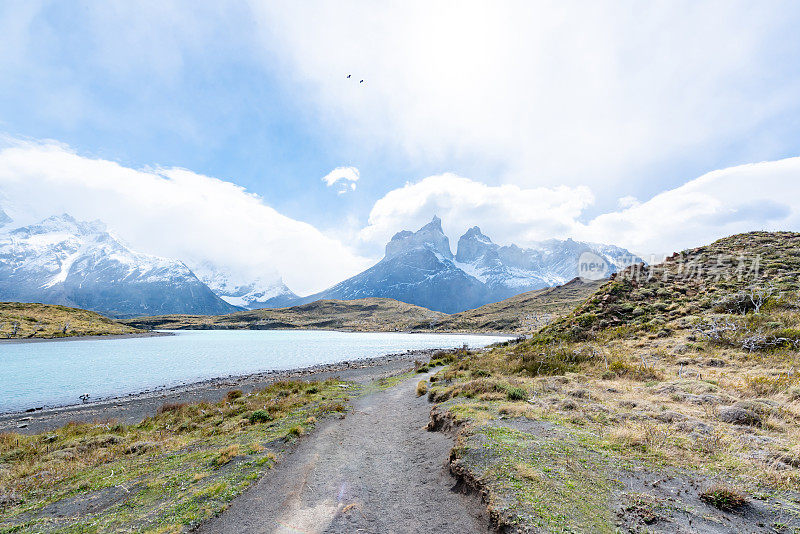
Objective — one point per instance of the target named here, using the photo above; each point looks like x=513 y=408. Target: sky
x=230 y=132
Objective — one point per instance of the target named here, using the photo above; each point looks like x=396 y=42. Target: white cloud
x=339 y=174
x=178 y=213
x=173 y=212
x=507 y=213
x=739 y=199
x=758 y=196
x=628 y=202
x=346 y=177
x=550 y=92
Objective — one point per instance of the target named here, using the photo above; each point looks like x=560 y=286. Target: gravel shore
x=134 y=407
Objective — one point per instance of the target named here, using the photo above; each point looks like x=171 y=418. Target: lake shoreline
x=134 y=407
x=151 y=333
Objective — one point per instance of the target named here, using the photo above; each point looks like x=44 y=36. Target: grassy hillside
x=24 y=320
x=371 y=314
x=523 y=313
x=691 y=284
x=669 y=401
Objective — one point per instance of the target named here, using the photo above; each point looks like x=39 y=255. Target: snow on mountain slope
x=245 y=293
x=4 y=219
x=64 y=261
x=509 y=270
x=420 y=268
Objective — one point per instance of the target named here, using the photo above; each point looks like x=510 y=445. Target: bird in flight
x=362 y=81
x=348 y=76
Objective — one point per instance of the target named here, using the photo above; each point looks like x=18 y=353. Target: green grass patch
x=555 y=485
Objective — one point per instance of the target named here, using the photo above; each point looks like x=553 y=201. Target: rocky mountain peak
x=435 y=225
x=4 y=218
x=61 y=260
x=430 y=236
x=473 y=245
x=63 y=224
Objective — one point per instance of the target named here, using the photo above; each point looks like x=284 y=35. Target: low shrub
x=330 y=407
x=225 y=455
x=552 y=359
x=622 y=369
x=767 y=385
x=168 y=407
x=260 y=416
x=723 y=498
x=422 y=388
x=296 y=431
x=516 y=394
x=233 y=394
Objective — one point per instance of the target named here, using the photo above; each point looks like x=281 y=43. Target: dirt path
x=377 y=470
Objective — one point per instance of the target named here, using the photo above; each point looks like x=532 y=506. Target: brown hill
x=28 y=320
x=371 y=314
x=683 y=372
x=523 y=313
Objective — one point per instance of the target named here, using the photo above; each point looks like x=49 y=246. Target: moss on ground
x=554 y=485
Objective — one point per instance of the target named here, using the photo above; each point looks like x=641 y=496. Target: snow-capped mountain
x=420 y=268
x=64 y=261
x=509 y=270
x=250 y=294
x=4 y=219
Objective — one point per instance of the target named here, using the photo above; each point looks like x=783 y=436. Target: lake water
x=58 y=372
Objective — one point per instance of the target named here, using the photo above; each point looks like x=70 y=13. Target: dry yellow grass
x=186 y=442
x=25 y=320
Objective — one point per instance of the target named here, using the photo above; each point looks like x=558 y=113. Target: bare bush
x=720 y=331
x=751 y=299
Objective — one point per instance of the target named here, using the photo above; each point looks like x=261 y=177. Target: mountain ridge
x=245 y=293
x=420 y=268
x=63 y=261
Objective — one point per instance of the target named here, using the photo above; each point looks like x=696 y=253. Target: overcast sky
x=651 y=125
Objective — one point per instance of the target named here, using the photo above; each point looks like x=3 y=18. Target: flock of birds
x=349 y=75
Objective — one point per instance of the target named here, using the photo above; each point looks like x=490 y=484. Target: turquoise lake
x=53 y=373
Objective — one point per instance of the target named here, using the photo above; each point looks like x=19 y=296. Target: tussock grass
x=724 y=498
x=226 y=454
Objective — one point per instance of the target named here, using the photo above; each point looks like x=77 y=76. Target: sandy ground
x=378 y=470
x=135 y=407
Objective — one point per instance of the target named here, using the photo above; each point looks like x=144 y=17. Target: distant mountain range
x=64 y=261
x=420 y=268
x=247 y=294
